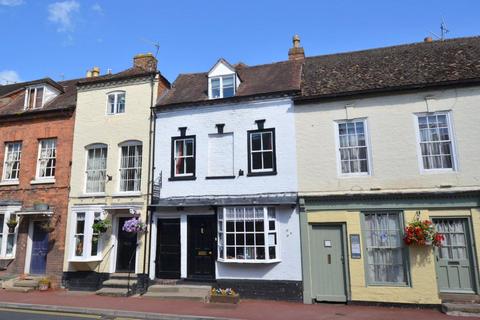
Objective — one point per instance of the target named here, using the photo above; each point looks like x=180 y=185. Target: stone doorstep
x=29 y=283
x=119 y=283
x=19 y=289
x=193 y=296
x=182 y=292
x=459 y=298
x=180 y=288
x=123 y=276
x=113 y=292
x=462 y=309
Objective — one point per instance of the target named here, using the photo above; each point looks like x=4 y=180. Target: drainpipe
x=151 y=146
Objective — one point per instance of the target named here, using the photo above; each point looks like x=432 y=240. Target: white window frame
x=47 y=178
x=87 y=149
x=367 y=144
x=273 y=169
x=174 y=155
x=4 y=173
x=116 y=94
x=129 y=144
x=3 y=250
x=27 y=98
x=221 y=78
x=222 y=239
x=452 y=141
x=87 y=236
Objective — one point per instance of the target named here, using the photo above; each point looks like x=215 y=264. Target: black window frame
x=274 y=157
x=172 y=159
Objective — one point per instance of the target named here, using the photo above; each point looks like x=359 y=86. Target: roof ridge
x=411 y=44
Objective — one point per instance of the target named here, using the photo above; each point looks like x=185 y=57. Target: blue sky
x=65 y=38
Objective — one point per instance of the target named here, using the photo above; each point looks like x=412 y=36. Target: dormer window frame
x=221 y=86
x=33 y=106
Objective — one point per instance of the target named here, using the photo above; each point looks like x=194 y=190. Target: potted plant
x=422 y=233
x=101 y=226
x=43 y=284
x=12 y=223
x=47 y=226
x=134 y=225
x=227 y=295
x=40 y=206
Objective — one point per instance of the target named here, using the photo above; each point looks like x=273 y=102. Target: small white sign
x=327 y=243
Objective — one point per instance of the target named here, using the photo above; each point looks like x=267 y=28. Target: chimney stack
x=296 y=52
x=145 y=61
x=428 y=39
x=94 y=72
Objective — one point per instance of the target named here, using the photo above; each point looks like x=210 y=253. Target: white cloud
x=11 y=3
x=97 y=8
x=9 y=76
x=61 y=14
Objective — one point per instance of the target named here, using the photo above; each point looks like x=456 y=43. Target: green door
x=328 y=276
x=454 y=258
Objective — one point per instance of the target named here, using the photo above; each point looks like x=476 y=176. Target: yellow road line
x=63 y=314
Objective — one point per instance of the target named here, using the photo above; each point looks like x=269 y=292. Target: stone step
x=459 y=298
x=122 y=276
x=26 y=283
x=194 y=296
x=19 y=289
x=119 y=283
x=461 y=309
x=113 y=292
x=165 y=288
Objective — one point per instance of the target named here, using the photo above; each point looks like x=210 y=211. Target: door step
x=467 y=305
x=119 y=285
x=113 y=292
x=182 y=292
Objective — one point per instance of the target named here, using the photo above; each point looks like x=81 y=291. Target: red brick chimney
x=145 y=61
x=297 y=52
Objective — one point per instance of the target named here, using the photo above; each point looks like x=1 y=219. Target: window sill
x=354 y=175
x=9 y=183
x=92 y=195
x=392 y=285
x=127 y=194
x=437 y=171
x=182 y=178
x=86 y=260
x=260 y=174
x=249 y=261
x=43 y=181
x=219 y=177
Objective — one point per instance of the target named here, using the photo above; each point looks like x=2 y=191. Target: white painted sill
x=43 y=181
x=249 y=261
x=9 y=183
x=127 y=194
x=92 y=195
x=86 y=260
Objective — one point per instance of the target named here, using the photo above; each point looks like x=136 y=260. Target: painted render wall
x=238 y=118
x=393 y=141
x=93 y=125
x=423 y=287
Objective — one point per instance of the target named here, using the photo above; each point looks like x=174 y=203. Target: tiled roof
x=262 y=80
x=126 y=74
x=414 y=65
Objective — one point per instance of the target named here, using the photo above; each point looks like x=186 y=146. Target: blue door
x=38 y=262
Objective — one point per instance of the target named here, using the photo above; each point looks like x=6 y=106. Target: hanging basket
x=422 y=233
x=134 y=225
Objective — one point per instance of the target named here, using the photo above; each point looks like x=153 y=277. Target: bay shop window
x=7 y=236
x=87 y=245
x=247 y=234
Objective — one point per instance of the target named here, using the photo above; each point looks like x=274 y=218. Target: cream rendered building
x=385 y=137
x=110 y=174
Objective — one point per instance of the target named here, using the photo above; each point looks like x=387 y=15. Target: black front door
x=201 y=247
x=168 y=249
x=126 y=247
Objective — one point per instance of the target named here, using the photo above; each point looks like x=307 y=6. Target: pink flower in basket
x=134 y=225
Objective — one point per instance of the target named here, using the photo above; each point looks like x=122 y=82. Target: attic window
x=34 y=98
x=222 y=87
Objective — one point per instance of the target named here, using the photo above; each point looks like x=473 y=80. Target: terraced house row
x=291 y=180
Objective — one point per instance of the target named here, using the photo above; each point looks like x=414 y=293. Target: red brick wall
x=56 y=195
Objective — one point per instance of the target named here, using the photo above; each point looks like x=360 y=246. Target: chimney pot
x=296 y=52
x=145 y=61
x=428 y=39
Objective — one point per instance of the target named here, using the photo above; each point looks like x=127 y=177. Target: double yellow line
x=52 y=313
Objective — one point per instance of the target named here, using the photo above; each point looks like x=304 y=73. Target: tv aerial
x=443 y=31
x=153 y=43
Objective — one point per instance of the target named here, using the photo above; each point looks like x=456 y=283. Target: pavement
x=74 y=305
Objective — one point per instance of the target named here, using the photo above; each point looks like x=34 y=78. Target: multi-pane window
x=116 y=102
x=261 y=149
x=247 y=234
x=7 y=235
x=34 y=98
x=95 y=236
x=222 y=87
x=385 y=254
x=47 y=158
x=79 y=233
x=96 y=169
x=131 y=167
x=436 y=141
x=11 y=165
x=352 y=147
x=454 y=245
x=183 y=157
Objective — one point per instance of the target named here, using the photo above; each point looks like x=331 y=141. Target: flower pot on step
x=234 y=298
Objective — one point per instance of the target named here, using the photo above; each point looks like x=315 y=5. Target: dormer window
x=34 y=98
x=222 y=87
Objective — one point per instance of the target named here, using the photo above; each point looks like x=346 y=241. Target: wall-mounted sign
x=356 y=251
x=327 y=243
